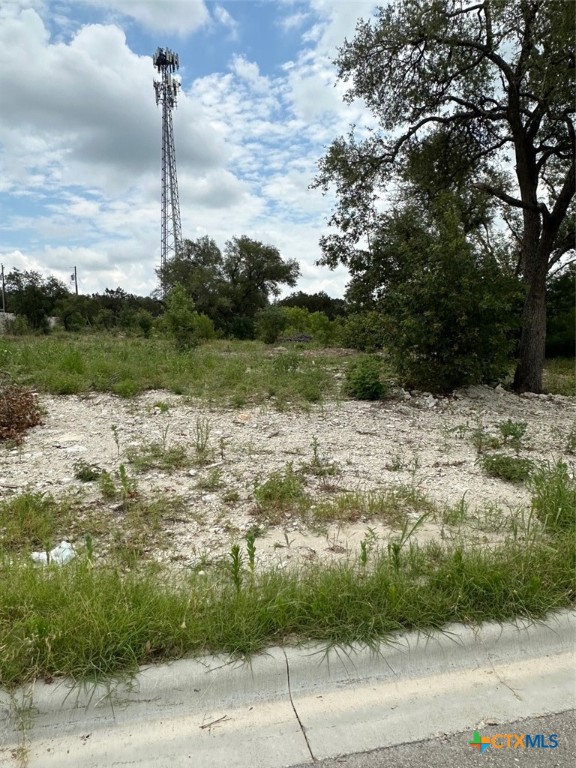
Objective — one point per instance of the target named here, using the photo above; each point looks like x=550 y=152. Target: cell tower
x=166 y=62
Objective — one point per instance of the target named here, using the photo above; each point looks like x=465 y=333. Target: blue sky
x=80 y=131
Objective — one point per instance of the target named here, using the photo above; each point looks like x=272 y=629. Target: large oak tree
x=498 y=78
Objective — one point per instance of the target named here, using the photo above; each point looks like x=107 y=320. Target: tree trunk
x=528 y=376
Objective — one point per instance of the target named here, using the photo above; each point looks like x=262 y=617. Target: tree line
x=455 y=212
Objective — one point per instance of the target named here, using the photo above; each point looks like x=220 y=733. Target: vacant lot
x=310 y=484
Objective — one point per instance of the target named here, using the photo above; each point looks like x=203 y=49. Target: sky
x=80 y=132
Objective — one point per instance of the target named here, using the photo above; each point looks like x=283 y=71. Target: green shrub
x=269 y=324
x=182 y=323
x=364 y=379
x=365 y=331
x=509 y=468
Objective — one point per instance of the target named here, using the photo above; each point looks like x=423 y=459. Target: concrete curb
x=289 y=705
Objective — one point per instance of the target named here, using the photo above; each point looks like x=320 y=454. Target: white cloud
x=226 y=20
x=85 y=112
x=250 y=72
x=293 y=21
x=80 y=139
x=180 y=17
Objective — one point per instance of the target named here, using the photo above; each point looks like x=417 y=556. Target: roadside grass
x=235 y=373
x=99 y=617
x=91 y=622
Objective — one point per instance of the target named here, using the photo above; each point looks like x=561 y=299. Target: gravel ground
x=414 y=440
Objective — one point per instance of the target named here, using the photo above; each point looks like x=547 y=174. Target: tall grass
x=234 y=372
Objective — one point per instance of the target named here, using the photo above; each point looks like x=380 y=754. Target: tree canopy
x=493 y=82
x=230 y=287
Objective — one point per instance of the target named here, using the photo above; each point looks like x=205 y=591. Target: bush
x=270 y=323
x=182 y=323
x=19 y=410
x=509 y=468
x=364 y=331
x=363 y=379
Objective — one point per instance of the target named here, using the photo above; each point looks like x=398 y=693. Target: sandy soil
x=413 y=440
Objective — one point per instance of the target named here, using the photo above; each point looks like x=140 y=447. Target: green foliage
x=86 y=472
x=365 y=331
x=31 y=521
x=33 y=296
x=426 y=71
x=509 y=468
x=157 y=455
x=283 y=490
x=513 y=432
x=218 y=371
x=269 y=324
x=182 y=323
x=230 y=288
x=462 y=331
x=554 y=496
x=315 y=302
x=364 y=379
x=141 y=615
x=561 y=314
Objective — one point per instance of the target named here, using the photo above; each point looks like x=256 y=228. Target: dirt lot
x=415 y=441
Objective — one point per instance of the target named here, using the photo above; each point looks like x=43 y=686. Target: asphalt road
x=455 y=752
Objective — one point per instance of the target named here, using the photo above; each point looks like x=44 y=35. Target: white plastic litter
x=60 y=555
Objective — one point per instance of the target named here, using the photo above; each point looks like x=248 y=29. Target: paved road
x=454 y=751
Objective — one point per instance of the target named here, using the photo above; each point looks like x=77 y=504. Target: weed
x=457 y=514
x=319 y=465
x=391 y=506
x=396 y=464
x=32 y=520
x=251 y=549
x=282 y=491
x=236 y=566
x=140 y=615
x=212 y=482
x=107 y=486
x=367 y=545
x=509 y=468
x=203 y=453
x=231 y=497
x=116 y=436
x=482 y=440
x=86 y=472
x=162 y=406
x=554 y=496
x=559 y=376
x=19 y=410
x=513 y=432
x=157 y=456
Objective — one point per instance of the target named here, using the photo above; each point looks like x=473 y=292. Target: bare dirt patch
x=416 y=442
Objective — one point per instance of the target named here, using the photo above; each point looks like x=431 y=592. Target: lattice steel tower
x=166 y=62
